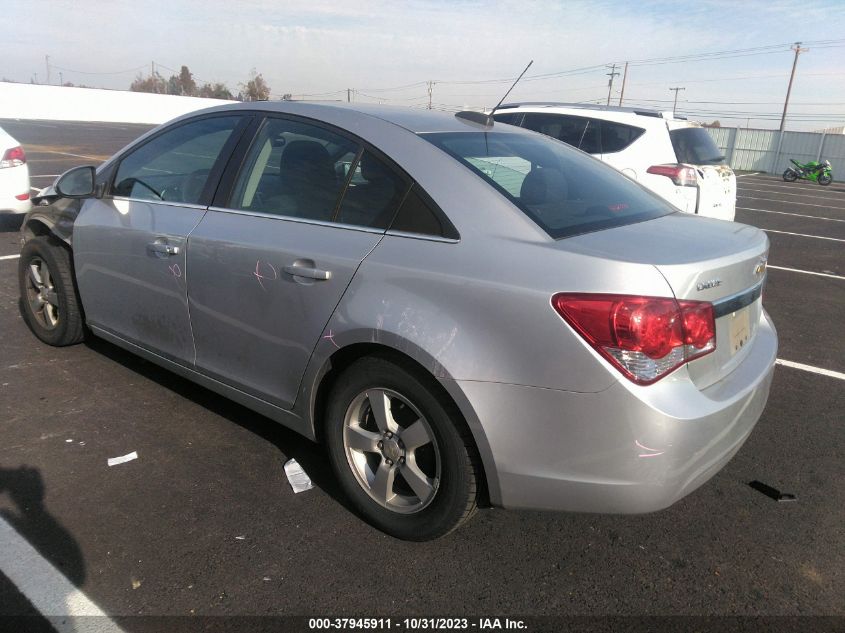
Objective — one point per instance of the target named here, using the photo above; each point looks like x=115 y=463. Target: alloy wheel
x=391 y=450
x=41 y=294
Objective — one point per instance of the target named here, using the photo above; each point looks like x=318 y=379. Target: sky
x=388 y=51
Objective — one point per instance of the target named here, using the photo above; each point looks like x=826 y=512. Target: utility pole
x=47 y=62
x=611 y=74
x=61 y=79
x=624 y=79
x=675 y=105
x=430 y=90
x=153 y=76
x=348 y=95
x=798 y=50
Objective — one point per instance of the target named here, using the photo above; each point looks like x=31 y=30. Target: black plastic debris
x=773 y=493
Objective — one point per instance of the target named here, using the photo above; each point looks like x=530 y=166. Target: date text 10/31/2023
x=414 y=624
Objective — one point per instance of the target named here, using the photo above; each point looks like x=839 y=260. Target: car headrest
x=543 y=185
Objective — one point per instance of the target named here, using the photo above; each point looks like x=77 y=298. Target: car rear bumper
x=627 y=449
x=14 y=181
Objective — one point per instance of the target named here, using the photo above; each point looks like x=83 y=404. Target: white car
x=675 y=158
x=14 y=176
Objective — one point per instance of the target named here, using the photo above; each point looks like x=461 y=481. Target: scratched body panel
x=126 y=288
x=255 y=325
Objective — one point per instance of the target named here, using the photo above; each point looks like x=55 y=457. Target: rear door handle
x=162 y=248
x=310 y=273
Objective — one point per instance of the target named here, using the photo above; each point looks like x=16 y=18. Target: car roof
x=591 y=107
x=416 y=120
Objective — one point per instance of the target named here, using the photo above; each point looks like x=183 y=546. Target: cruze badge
x=712 y=283
x=760 y=268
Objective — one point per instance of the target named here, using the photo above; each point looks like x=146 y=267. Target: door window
x=573 y=130
x=617 y=136
x=373 y=194
x=295 y=169
x=175 y=165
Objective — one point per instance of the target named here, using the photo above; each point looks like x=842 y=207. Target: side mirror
x=76 y=183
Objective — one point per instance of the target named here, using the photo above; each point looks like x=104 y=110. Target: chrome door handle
x=162 y=248
x=310 y=273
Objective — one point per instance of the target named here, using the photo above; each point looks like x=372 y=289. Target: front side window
x=175 y=166
x=295 y=169
x=563 y=191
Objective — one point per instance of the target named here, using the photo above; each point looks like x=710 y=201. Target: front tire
x=790 y=175
x=400 y=450
x=49 y=301
x=825 y=179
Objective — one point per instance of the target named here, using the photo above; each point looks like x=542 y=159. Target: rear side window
x=561 y=190
x=569 y=129
x=373 y=194
x=418 y=214
x=174 y=166
x=617 y=136
x=295 y=169
x=511 y=118
x=695 y=146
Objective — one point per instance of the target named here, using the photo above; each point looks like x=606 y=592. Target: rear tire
x=790 y=176
x=400 y=451
x=825 y=179
x=49 y=300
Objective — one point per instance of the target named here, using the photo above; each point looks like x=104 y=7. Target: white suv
x=14 y=176
x=675 y=158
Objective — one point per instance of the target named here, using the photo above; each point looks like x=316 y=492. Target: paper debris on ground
x=299 y=481
x=114 y=461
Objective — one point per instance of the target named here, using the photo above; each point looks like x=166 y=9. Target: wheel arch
x=444 y=388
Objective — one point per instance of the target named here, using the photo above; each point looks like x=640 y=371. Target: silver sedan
x=463 y=313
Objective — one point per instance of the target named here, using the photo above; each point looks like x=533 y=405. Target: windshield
x=695 y=146
x=564 y=191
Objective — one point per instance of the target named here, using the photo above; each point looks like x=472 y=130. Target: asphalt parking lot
x=205 y=523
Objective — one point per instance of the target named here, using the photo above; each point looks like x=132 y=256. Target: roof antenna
x=487 y=119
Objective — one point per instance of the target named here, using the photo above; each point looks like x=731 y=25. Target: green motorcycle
x=814 y=171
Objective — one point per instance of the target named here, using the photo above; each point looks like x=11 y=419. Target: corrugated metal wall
x=764 y=150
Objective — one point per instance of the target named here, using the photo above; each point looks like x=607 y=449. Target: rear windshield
x=565 y=192
x=695 y=146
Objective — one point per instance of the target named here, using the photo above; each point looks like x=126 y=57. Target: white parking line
x=791 y=202
x=810 y=368
x=44 y=175
x=818 y=237
x=9 y=257
x=805 y=272
x=46 y=588
x=832 y=196
x=797 y=215
x=746 y=175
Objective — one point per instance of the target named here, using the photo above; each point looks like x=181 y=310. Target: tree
x=256 y=89
x=287 y=97
x=186 y=82
x=215 y=91
x=713 y=124
x=153 y=83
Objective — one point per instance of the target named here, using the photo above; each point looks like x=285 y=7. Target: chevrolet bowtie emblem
x=760 y=268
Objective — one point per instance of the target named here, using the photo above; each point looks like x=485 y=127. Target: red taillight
x=681 y=175
x=13 y=157
x=644 y=337
x=22 y=196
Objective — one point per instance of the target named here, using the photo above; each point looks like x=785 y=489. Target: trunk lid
x=703 y=260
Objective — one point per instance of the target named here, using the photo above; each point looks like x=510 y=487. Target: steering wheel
x=133 y=181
